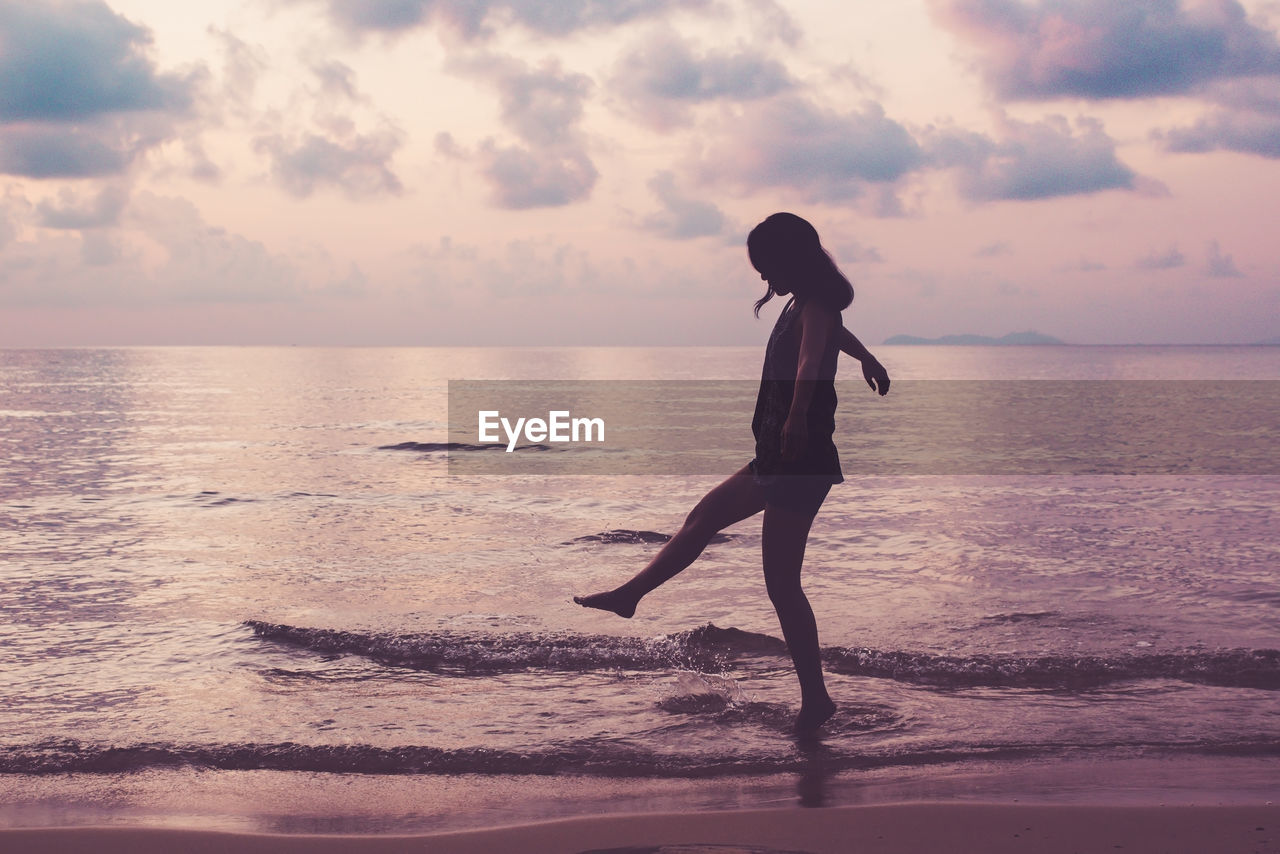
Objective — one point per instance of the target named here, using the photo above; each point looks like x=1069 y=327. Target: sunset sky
x=563 y=172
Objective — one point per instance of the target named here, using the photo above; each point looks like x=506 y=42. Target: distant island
x=1269 y=342
x=1013 y=339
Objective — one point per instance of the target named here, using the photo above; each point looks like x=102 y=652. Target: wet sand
x=889 y=829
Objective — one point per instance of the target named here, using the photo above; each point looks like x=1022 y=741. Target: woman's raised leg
x=785 y=535
x=737 y=498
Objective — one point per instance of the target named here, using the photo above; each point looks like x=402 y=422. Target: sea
x=244 y=588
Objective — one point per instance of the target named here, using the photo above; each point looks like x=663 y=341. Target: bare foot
x=612 y=600
x=814 y=715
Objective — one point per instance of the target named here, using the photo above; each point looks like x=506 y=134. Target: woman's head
x=787 y=253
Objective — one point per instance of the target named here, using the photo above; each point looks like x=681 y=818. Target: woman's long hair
x=787 y=244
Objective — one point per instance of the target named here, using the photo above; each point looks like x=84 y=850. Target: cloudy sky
x=585 y=171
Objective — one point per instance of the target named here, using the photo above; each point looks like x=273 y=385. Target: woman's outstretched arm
x=872 y=371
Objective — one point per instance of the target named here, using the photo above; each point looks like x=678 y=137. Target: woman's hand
x=875 y=375
x=795 y=436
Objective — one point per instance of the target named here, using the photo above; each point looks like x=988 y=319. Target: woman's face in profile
x=778 y=281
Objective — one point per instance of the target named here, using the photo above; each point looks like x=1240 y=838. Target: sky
x=585 y=172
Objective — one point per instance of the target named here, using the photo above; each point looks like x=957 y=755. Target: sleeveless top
x=773 y=404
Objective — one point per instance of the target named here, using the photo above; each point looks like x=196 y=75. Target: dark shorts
x=795 y=492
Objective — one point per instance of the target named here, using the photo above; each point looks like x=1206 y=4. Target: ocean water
x=234 y=560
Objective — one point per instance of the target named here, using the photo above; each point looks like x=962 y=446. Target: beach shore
x=888 y=829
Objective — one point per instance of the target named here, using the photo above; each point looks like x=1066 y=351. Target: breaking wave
x=629 y=537
x=449 y=447
x=710 y=648
x=460 y=653
x=597 y=757
x=1240 y=668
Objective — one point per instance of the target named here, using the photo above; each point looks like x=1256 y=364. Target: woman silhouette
x=796 y=461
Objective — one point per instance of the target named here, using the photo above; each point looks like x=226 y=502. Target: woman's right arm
x=872 y=371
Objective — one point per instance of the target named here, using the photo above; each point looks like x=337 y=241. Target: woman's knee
x=730 y=502
x=707 y=516
x=700 y=521
x=784 y=592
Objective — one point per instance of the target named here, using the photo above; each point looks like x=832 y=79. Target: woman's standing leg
x=737 y=498
x=785 y=534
